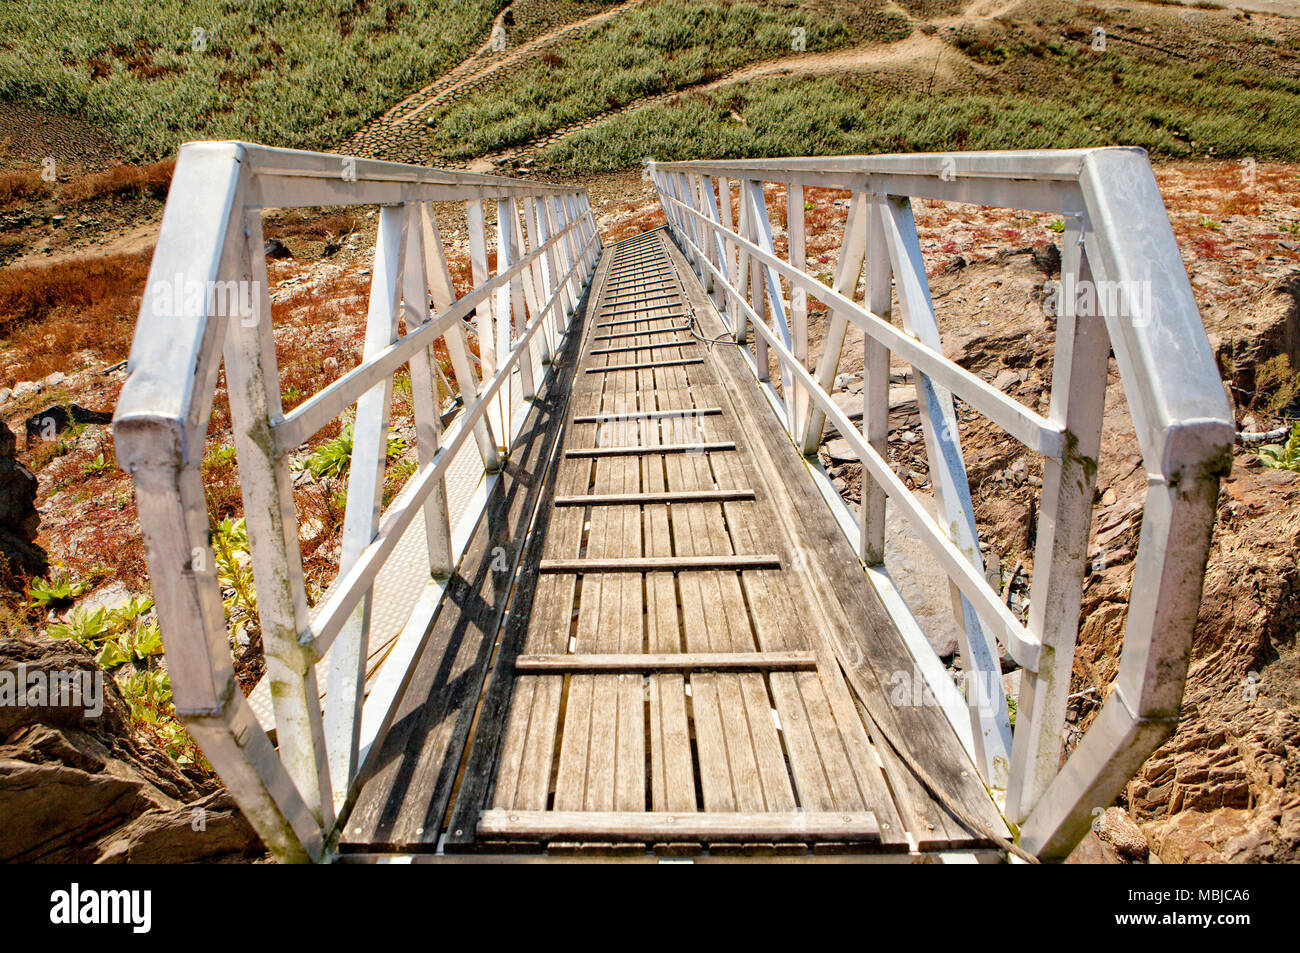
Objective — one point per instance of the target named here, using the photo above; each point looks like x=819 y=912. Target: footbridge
x=617 y=609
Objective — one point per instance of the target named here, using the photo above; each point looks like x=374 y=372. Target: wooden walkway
x=673 y=669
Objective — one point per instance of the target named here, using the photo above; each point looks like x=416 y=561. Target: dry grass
x=50 y=312
x=22 y=187
x=152 y=180
x=634 y=218
x=311 y=225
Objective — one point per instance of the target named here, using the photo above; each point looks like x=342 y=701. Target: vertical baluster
x=714 y=248
x=532 y=283
x=1079 y=369
x=443 y=293
x=485 y=321
x=424 y=394
x=688 y=195
x=347 y=657
x=253 y=386
x=797 y=256
x=545 y=268
x=990 y=719
x=745 y=281
x=672 y=184
x=845 y=281
x=729 y=255
x=695 y=185
x=560 y=261
x=670 y=211
x=762 y=237
x=875 y=379
x=512 y=318
x=571 y=257
x=592 y=245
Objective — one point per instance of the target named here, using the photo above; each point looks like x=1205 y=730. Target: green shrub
x=303 y=73
x=1284 y=456
x=1226 y=111
x=649 y=50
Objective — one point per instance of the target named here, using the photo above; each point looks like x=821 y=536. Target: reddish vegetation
x=22 y=186
x=306 y=224
x=30 y=186
x=48 y=313
x=150 y=179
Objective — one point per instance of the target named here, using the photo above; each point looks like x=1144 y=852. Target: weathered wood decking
x=674 y=667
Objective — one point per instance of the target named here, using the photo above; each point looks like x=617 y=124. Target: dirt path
x=919 y=57
x=399 y=134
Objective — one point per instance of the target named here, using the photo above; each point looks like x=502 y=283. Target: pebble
x=1006 y=380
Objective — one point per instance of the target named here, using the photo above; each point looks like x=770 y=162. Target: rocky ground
x=1225 y=786
x=96 y=789
x=73 y=260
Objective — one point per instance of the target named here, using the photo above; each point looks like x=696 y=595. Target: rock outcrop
x=79 y=784
x=19 y=521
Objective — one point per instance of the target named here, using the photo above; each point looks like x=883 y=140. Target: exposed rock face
x=79 y=785
x=1226 y=785
x=19 y=521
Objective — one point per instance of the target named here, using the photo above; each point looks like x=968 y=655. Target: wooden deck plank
x=647 y=825
x=760 y=778
x=525 y=720
x=775 y=617
x=670 y=563
x=402 y=804
x=672 y=769
x=642 y=499
x=639 y=662
x=854 y=614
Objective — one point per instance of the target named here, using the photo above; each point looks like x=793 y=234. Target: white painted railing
x=1117 y=237
x=211 y=237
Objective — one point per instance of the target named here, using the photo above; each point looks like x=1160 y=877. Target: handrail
x=211 y=234
x=1180 y=413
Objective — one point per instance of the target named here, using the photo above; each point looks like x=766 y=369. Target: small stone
x=56 y=419
x=901 y=396
x=849 y=403
x=110 y=597
x=1006 y=380
x=25 y=389
x=275 y=249
x=1120 y=831
x=840 y=451
x=58 y=377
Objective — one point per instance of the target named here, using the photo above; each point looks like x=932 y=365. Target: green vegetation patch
x=304 y=73
x=1171 y=110
x=647 y=51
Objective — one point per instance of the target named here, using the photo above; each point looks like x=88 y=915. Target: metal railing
x=1117 y=240
x=211 y=239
